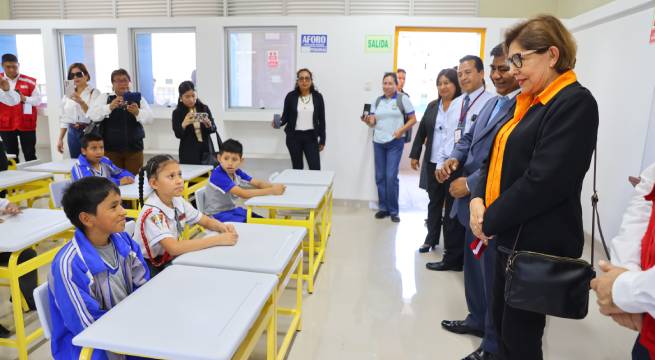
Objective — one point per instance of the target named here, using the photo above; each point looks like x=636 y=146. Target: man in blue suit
x=469 y=154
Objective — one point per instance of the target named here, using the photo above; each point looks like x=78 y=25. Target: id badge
x=458 y=135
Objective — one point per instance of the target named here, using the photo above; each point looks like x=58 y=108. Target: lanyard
x=462 y=114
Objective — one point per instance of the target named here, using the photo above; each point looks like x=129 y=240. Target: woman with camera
x=193 y=124
x=119 y=119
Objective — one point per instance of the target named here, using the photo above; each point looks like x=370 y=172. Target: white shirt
x=3 y=203
x=71 y=112
x=440 y=133
x=477 y=100
x=162 y=222
x=305 y=119
x=388 y=117
x=9 y=98
x=634 y=290
x=100 y=110
x=34 y=99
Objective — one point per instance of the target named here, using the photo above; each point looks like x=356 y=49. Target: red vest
x=647 y=335
x=12 y=117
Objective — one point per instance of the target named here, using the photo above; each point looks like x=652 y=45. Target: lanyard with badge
x=461 y=124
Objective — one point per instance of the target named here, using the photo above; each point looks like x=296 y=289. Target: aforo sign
x=378 y=43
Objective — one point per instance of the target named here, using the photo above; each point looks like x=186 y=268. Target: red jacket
x=12 y=117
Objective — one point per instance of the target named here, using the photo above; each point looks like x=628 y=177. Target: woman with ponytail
x=165 y=213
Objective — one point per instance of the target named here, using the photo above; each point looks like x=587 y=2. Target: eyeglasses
x=304 y=78
x=77 y=74
x=517 y=59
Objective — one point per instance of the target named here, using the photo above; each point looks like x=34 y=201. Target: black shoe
x=381 y=214
x=4 y=333
x=443 y=266
x=461 y=327
x=480 y=354
x=426 y=248
x=395 y=218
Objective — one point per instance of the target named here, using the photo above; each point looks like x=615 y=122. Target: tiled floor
x=375 y=300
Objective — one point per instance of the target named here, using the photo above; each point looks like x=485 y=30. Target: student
x=96 y=270
x=93 y=162
x=165 y=213
x=227 y=183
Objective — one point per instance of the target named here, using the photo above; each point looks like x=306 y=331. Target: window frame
x=60 y=47
x=44 y=104
x=134 y=58
x=227 y=31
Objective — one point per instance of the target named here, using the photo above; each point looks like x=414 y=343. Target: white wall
x=616 y=63
x=346 y=75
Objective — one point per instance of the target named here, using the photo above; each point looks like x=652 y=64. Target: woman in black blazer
x=435 y=113
x=196 y=146
x=304 y=117
x=536 y=167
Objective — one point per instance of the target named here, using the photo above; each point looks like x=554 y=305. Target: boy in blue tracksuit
x=96 y=270
x=92 y=162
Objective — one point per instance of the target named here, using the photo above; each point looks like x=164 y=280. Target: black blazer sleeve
x=178 y=118
x=320 y=113
x=422 y=132
x=214 y=128
x=559 y=162
x=286 y=110
x=211 y=129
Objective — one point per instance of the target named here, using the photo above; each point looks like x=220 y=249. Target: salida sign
x=378 y=43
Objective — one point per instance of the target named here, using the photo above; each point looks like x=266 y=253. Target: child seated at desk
x=96 y=270
x=228 y=183
x=92 y=162
x=26 y=282
x=165 y=213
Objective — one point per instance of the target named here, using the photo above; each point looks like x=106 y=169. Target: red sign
x=652 y=32
x=272 y=58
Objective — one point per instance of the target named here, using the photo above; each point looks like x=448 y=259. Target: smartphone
x=69 y=88
x=366 y=111
x=202 y=117
x=277 y=120
x=132 y=97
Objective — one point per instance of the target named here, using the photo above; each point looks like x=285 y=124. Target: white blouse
x=72 y=113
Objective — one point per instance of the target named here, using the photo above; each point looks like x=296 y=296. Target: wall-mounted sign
x=272 y=58
x=313 y=43
x=378 y=43
x=652 y=32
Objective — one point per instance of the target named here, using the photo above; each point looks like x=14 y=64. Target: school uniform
x=85 y=282
x=107 y=170
x=221 y=204
x=157 y=222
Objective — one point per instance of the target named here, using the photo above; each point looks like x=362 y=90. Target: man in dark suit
x=469 y=154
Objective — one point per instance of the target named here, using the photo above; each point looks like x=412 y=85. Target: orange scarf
x=523 y=103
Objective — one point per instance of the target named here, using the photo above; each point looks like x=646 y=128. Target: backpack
x=399 y=102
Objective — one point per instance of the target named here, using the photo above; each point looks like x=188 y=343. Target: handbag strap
x=595 y=219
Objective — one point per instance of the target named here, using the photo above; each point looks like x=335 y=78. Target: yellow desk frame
x=12 y=272
x=317 y=219
x=29 y=191
x=296 y=313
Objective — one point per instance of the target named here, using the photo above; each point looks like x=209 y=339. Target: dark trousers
x=453 y=231
x=27 y=282
x=639 y=352
x=478 y=289
x=519 y=331
x=131 y=161
x=74 y=138
x=27 y=143
x=437 y=194
x=304 y=142
x=4 y=162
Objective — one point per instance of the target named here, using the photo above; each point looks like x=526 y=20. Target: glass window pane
x=98 y=52
x=29 y=50
x=164 y=60
x=262 y=65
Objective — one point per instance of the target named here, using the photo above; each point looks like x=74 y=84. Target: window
x=163 y=60
x=29 y=50
x=261 y=66
x=97 y=51
x=417 y=54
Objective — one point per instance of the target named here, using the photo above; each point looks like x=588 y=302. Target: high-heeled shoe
x=425 y=248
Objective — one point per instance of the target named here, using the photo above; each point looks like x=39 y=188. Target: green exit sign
x=378 y=43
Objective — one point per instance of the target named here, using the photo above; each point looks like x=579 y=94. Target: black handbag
x=552 y=285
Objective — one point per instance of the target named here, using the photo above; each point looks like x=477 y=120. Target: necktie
x=500 y=105
x=462 y=115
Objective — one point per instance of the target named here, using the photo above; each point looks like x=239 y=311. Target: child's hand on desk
x=278 y=189
x=226 y=239
x=226 y=228
x=11 y=209
x=127 y=180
